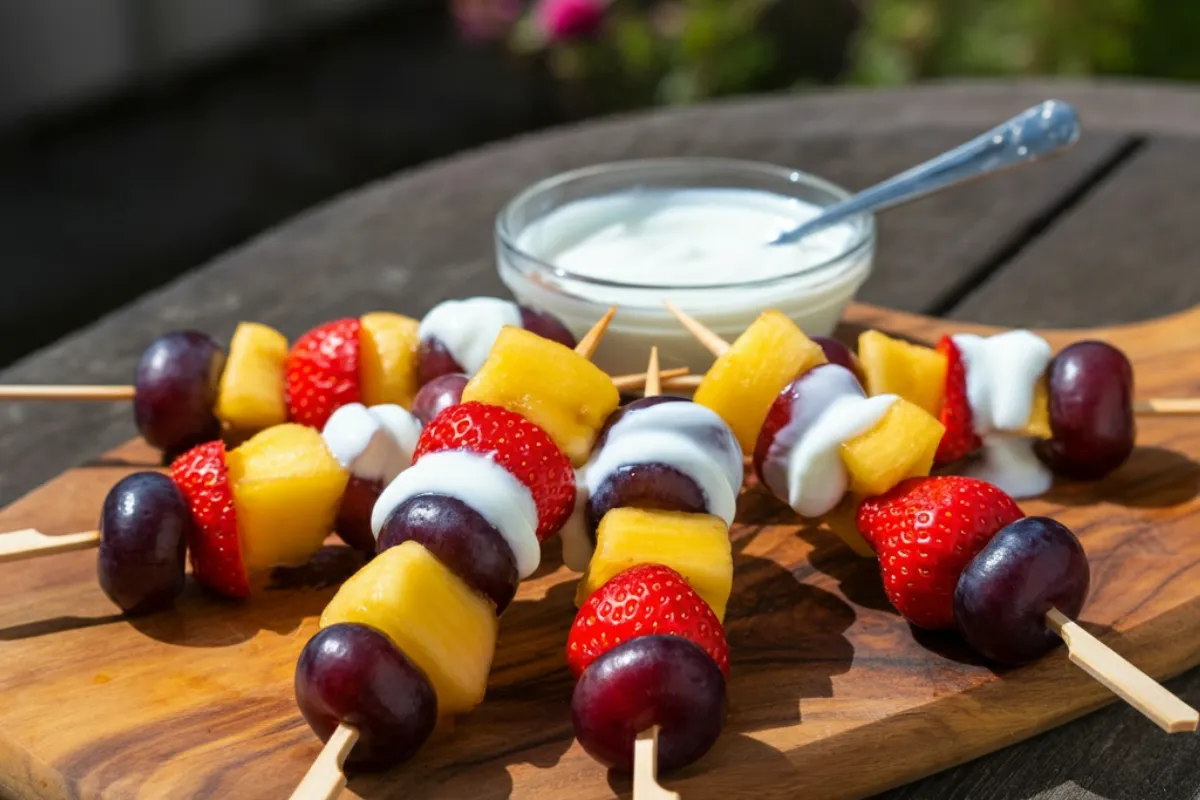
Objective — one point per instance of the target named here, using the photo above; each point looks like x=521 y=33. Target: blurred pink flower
x=570 y=19
x=486 y=20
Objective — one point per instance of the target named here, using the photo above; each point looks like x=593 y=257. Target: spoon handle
x=1035 y=133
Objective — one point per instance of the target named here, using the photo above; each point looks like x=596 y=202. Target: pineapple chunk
x=1038 y=425
x=694 y=545
x=742 y=384
x=286 y=491
x=387 y=362
x=892 y=366
x=446 y=629
x=250 y=397
x=550 y=385
x=901 y=445
x=843 y=521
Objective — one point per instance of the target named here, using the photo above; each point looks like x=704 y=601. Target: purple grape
x=354 y=674
x=840 y=354
x=461 y=539
x=434 y=361
x=546 y=325
x=175 y=391
x=1091 y=411
x=1028 y=567
x=144 y=527
x=646 y=486
x=651 y=680
x=353 y=522
x=438 y=395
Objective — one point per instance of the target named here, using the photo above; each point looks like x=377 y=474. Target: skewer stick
x=653 y=376
x=638 y=380
x=591 y=340
x=31 y=543
x=684 y=382
x=713 y=343
x=1167 y=405
x=325 y=779
x=645 y=768
x=38 y=392
x=1127 y=681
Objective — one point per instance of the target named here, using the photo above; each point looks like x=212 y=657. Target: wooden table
x=1105 y=234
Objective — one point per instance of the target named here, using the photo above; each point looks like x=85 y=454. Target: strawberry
x=960 y=439
x=926 y=530
x=641 y=601
x=322 y=372
x=522 y=448
x=215 y=546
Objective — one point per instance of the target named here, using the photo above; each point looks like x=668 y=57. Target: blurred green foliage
x=909 y=40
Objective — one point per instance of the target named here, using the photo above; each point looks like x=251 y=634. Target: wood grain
x=831 y=694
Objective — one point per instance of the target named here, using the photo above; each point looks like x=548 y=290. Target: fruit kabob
x=1014 y=414
x=647 y=645
x=187 y=390
x=270 y=502
x=956 y=552
x=492 y=478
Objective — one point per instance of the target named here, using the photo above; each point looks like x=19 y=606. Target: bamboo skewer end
x=326 y=778
x=591 y=340
x=645 y=768
x=653 y=377
x=32 y=543
x=713 y=343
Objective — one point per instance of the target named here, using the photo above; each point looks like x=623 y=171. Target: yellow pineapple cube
x=387 y=361
x=250 y=397
x=1038 y=425
x=901 y=445
x=286 y=489
x=912 y=371
x=549 y=384
x=742 y=384
x=843 y=521
x=445 y=628
x=694 y=545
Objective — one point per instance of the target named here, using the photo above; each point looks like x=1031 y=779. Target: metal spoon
x=1044 y=130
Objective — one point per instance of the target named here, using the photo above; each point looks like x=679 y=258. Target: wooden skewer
x=1127 y=681
x=1167 y=405
x=683 y=382
x=31 y=543
x=33 y=392
x=713 y=343
x=638 y=380
x=326 y=779
x=645 y=768
x=591 y=340
x=653 y=376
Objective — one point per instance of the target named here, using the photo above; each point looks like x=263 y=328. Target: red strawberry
x=926 y=530
x=216 y=549
x=960 y=439
x=322 y=372
x=522 y=448
x=642 y=601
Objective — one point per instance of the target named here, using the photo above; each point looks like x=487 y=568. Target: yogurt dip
x=692 y=231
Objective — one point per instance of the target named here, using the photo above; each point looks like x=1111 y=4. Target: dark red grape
x=809 y=395
x=144 y=528
x=353 y=522
x=438 y=395
x=647 y=486
x=840 y=354
x=354 y=674
x=651 y=680
x=175 y=391
x=434 y=360
x=629 y=408
x=460 y=538
x=1028 y=567
x=1091 y=411
x=546 y=325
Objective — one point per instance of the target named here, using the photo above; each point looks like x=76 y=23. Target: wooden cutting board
x=831 y=694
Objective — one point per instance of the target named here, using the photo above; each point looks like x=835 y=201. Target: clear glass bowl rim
x=864 y=224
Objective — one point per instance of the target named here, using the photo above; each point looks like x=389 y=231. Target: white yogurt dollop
x=373 y=443
x=1002 y=373
x=467 y=328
